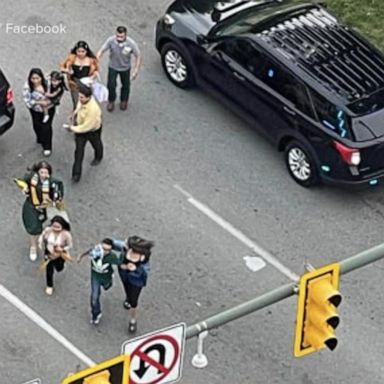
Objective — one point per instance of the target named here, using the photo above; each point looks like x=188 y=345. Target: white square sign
x=157 y=358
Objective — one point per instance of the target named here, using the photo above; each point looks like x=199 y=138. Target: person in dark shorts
x=133 y=271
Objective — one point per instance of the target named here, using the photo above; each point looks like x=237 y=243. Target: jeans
x=95 y=295
x=81 y=139
x=42 y=130
x=125 y=79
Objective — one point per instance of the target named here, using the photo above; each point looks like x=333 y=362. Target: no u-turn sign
x=157 y=358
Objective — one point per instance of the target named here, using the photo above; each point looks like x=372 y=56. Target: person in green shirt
x=42 y=191
x=102 y=259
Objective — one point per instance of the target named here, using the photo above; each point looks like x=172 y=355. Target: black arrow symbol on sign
x=140 y=372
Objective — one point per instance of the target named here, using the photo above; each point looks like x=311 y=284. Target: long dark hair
x=64 y=223
x=38 y=72
x=140 y=245
x=84 y=45
x=41 y=164
x=56 y=75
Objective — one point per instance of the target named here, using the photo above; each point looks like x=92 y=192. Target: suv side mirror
x=201 y=39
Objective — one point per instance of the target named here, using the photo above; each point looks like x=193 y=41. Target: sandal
x=132 y=326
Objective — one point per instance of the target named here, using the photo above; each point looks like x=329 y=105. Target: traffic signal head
x=114 y=371
x=98 y=378
x=317 y=316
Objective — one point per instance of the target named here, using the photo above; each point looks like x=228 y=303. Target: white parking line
x=38 y=320
x=269 y=258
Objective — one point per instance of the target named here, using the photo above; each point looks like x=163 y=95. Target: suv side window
x=237 y=49
x=330 y=115
x=260 y=66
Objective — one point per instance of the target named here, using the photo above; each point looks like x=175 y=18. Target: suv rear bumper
x=371 y=180
x=7 y=119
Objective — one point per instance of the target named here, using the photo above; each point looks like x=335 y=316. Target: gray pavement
x=171 y=137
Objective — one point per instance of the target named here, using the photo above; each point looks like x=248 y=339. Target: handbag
x=100 y=92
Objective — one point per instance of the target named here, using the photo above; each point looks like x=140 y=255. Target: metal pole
x=243 y=309
x=348 y=265
x=362 y=259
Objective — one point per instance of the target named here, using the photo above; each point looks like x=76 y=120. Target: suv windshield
x=368 y=104
x=247 y=20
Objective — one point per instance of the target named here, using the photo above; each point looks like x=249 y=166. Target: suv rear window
x=331 y=116
x=368 y=104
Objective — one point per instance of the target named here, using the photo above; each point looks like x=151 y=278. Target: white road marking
x=38 y=320
x=268 y=257
x=254 y=263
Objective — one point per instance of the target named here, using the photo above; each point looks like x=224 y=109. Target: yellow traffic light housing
x=114 y=371
x=98 y=378
x=317 y=316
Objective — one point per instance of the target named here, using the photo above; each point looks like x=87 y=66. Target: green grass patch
x=367 y=16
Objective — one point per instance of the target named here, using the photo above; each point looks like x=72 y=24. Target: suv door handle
x=289 y=110
x=240 y=77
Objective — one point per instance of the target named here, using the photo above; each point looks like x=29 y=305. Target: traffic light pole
x=348 y=265
x=241 y=310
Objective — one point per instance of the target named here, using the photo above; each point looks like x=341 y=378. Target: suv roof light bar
x=222 y=7
x=331 y=71
x=362 y=63
x=329 y=52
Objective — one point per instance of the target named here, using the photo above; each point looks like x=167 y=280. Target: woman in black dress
x=79 y=64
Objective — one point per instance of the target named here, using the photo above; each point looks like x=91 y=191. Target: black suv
x=313 y=86
x=7 y=110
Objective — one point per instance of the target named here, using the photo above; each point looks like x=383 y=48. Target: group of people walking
x=44 y=193
x=79 y=73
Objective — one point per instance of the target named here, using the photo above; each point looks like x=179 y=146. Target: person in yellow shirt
x=87 y=127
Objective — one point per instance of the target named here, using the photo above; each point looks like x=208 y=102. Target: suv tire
x=177 y=66
x=300 y=163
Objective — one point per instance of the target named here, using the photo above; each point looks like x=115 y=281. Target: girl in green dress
x=42 y=191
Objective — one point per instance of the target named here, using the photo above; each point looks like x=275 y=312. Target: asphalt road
x=168 y=139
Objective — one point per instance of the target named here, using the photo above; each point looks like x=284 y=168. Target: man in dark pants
x=88 y=126
x=121 y=48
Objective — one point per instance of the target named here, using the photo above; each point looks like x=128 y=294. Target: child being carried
x=56 y=88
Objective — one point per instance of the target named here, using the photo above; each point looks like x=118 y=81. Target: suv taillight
x=9 y=96
x=350 y=155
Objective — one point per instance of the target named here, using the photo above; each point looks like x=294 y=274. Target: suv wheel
x=176 y=66
x=300 y=164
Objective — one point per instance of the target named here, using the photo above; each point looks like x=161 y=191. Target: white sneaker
x=96 y=321
x=66 y=126
x=49 y=291
x=33 y=253
x=47 y=152
x=46 y=118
